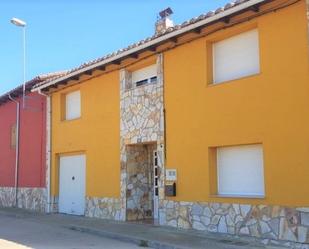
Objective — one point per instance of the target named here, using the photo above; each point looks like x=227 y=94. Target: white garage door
x=72 y=184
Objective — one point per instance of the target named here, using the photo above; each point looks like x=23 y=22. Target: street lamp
x=20 y=23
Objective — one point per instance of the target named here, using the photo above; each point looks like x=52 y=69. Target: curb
x=139 y=241
x=142 y=242
x=138 y=238
x=17 y=215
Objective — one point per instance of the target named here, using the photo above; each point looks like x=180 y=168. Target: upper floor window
x=236 y=57
x=72 y=105
x=146 y=75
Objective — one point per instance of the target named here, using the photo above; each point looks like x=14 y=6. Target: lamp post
x=20 y=23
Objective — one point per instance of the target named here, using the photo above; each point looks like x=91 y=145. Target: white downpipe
x=24 y=66
x=48 y=147
x=307 y=13
x=16 y=148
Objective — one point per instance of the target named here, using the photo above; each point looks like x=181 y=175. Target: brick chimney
x=164 y=22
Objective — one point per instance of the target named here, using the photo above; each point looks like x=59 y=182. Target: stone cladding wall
x=141 y=122
x=271 y=224
x=28 y=198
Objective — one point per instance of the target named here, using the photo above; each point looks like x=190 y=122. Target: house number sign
x=171 y=174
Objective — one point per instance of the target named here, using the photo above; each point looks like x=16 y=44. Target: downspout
x=16 y=147
x=48 y=148
x=307 y=14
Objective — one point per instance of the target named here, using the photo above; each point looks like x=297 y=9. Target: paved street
x=22 y=229
x=27 y=233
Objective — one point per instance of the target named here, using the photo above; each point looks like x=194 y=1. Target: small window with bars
x=145 y=76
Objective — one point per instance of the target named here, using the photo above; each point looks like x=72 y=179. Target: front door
x=72 y=184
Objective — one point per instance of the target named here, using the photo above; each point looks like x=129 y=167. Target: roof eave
x=153 y=42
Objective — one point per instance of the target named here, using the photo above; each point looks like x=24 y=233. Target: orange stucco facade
x=95 y=133
x=268 y=108
x=190 y=117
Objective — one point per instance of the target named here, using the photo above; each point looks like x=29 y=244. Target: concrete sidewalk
x=145 y=235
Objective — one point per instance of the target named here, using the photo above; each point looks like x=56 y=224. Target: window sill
x=213 y=84
x=239 y=196
x=70 y=120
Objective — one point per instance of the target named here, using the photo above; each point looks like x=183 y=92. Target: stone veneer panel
x=104 y=208
x=270 y=224
x=28 y=198
x=140 y=182
x=7 y=197
x=141 y=122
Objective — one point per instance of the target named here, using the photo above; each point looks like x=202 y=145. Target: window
x=240 y=170
x=236 y=57
x=72 y=105
x=13 y=136
x=146 y=75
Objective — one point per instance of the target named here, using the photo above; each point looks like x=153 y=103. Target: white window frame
x=73 y=112
x=144 y=76
x=236 y=165
x=236 y=57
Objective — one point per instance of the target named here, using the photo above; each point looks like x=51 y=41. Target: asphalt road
x=24 y=233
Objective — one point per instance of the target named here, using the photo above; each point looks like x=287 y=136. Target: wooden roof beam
x=89 y=72
x=197 y=30
x=116 y=62
x=226 y=19
x=74 y=78
x=173 y=39
x=255 y=8
x=152 y=48
x=133 y=56
x=101 y=68
x=62 y=83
